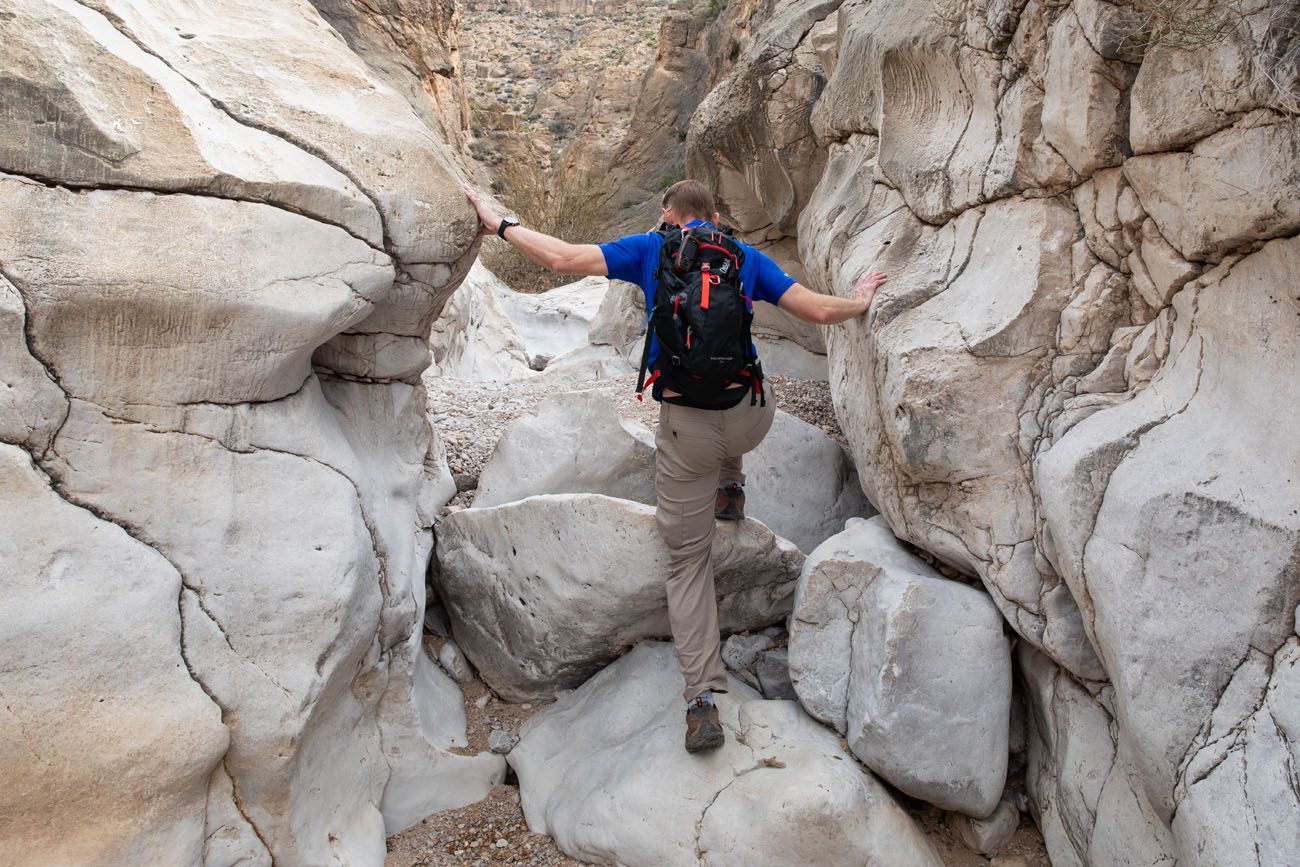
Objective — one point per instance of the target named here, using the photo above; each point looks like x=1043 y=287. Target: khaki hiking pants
x=698 y=449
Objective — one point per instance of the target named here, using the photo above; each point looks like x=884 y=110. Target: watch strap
x=503 y=225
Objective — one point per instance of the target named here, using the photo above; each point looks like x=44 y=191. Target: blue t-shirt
x=635 y=259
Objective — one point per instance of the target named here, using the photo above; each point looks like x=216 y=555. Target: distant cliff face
x=555 y=7
x=1078 y=383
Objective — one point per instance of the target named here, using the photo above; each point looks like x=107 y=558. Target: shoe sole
x=705 y=741
x=727 y=515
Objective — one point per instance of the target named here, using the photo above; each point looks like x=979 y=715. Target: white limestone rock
x=1084 y=105
x=572 y=443
x=588 y=364
x=1138 y=517
x=270 y=214
x=621 y=317
x=912 y=668
x=91 y=732
x=779 y=791
x=31 y=402
x=121 y=116
x=740 y=651
x=570 y=581
x=300 y=282
x=974 y=309
x=1084 y=789
x=799 y=481
x=988 y=835
x=555 y=322
x=788 y=358
x=473 y=338
x=1196 y=197
x=454 y=663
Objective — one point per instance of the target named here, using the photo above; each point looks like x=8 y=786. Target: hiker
x=714 y=403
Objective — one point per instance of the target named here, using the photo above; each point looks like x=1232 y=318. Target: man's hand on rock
x=866 y=288
x=488 y=219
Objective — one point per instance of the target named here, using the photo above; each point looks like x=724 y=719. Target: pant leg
x=745 y=425
x=732 y=471
x=690 y=451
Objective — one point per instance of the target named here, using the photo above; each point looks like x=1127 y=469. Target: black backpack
x=702 y=318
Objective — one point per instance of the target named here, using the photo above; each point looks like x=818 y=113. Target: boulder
x=588 y=364
x=987 y=835
x=912 y=668
x=799 y=481
x=545 y=591
x=572 y=443
x=454 y=663
x=781 y=790
x=621 y=317
x=555 y=322
x=473 y=338
x=782 y=357
x=740 y=651
x=1083 y=787
x=773 y=672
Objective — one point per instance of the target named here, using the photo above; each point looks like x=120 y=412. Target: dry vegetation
x=571 y=210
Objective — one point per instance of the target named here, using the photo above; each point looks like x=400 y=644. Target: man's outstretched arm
x=553 y=253
x=810 y=306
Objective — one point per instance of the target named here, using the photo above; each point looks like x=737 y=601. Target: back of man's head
x=690 y=199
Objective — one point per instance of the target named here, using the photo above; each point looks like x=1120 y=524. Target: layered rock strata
x=1076 y=384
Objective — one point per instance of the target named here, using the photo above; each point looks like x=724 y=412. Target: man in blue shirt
x=698 y=449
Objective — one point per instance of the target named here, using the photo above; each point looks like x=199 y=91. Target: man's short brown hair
x=690 y=199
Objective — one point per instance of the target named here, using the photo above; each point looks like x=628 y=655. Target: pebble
x=482 y=701
x=500 y=742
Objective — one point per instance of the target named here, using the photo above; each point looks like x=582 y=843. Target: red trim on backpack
x=722 y=250
x=706 y=280
x=649 y=382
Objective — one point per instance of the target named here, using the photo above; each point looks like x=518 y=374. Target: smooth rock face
x=473 y=338
x=545 y=591
x=799 y=481
x=76 y=588
x=555 y=322
x=572 y=443
x=779 y=791
x=220 y=259
x=621 y=317
x=912 y=668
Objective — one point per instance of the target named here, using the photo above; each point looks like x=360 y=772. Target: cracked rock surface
x=603 y=772
x=1077 y=385
x=219 y=259
x=513 y=576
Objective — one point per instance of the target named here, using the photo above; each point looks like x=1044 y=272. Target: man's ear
x=717 y=219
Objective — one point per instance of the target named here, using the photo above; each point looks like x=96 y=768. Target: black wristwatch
x=505 y=223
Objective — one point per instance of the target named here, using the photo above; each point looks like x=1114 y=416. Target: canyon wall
x=1078 y=384
x=219 y=262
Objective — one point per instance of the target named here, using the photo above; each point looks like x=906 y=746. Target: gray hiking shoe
x=730 y=504
x=703 y=730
